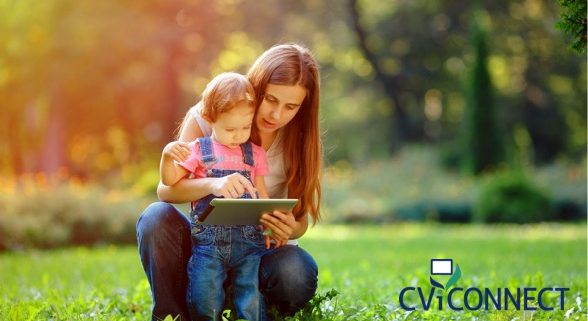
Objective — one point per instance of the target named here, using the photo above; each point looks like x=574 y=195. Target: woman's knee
x=288 y=278
x=163 y=237
x=160 y=216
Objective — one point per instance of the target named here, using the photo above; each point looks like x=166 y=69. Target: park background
x=452 y=129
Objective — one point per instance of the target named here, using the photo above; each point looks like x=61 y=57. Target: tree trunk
x=51 y=153
x=400 y=119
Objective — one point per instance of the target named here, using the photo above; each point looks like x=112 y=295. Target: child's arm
x=171 y=172
x=260 y=186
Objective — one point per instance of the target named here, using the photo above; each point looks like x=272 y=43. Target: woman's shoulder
x=194 y=113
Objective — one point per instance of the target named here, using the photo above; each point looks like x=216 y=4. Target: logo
x=457 y=298
x=444 y=267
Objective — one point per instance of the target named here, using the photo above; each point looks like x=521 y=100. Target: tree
x=400 y=122
x=483 y=142
x=420 y=47
x=73 y=72
x=573 y=22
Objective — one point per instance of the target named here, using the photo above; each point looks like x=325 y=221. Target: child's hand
x=233 y=186
x=178 y=151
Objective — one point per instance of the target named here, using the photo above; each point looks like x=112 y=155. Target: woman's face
x=278 y=106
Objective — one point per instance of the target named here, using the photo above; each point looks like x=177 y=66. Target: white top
x=276 y=179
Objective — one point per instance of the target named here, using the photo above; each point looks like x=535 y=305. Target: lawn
x=367 y=265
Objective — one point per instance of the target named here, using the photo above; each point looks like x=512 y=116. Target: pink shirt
x=227 y=159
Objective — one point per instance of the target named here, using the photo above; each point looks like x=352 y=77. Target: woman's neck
x=267 y=139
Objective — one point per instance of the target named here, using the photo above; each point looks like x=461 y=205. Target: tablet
x=240 y=211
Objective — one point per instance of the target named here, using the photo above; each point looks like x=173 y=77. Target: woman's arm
x=187 y=190
x=300 y=227
x=169 y=168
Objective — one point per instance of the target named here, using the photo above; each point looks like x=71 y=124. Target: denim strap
x=206 y=151
x=247 y=149
x=207 y=154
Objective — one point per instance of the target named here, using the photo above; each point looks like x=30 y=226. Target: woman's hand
x=232 y=186
x=278 y=226
x=178 y=151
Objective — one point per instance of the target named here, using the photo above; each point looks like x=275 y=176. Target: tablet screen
x=239 y=211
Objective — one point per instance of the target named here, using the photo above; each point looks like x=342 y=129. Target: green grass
x=367 y=265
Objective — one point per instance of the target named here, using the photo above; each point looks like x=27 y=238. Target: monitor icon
x=441 y=266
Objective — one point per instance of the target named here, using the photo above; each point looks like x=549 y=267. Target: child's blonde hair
x=224 y=92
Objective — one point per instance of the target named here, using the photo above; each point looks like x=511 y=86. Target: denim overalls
x=221 y=252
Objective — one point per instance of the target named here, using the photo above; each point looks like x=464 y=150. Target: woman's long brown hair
x=292 y=64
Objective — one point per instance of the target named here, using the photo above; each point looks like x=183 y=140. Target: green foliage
x=413 y=186
x=367 y=267
x=573 y=22
x=483 y=145
x=320 y=307
x=512 y=198
x=146 y=89
x=46 y=215
x=439 y=211
x=410 y=182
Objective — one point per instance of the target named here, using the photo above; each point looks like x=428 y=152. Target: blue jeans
x=221 y=253
x=287 y=275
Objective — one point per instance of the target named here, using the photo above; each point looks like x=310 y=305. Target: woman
x=286 y=82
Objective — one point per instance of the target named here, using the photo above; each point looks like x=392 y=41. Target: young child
x=218 y=251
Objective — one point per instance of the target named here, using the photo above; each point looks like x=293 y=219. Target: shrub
x=47 y=215
x=437 y=211
x=409 y=186
x=412 y=186
x=568 y=209
x=512 y=198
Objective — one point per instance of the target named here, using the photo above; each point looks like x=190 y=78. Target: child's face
x=233 y=128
